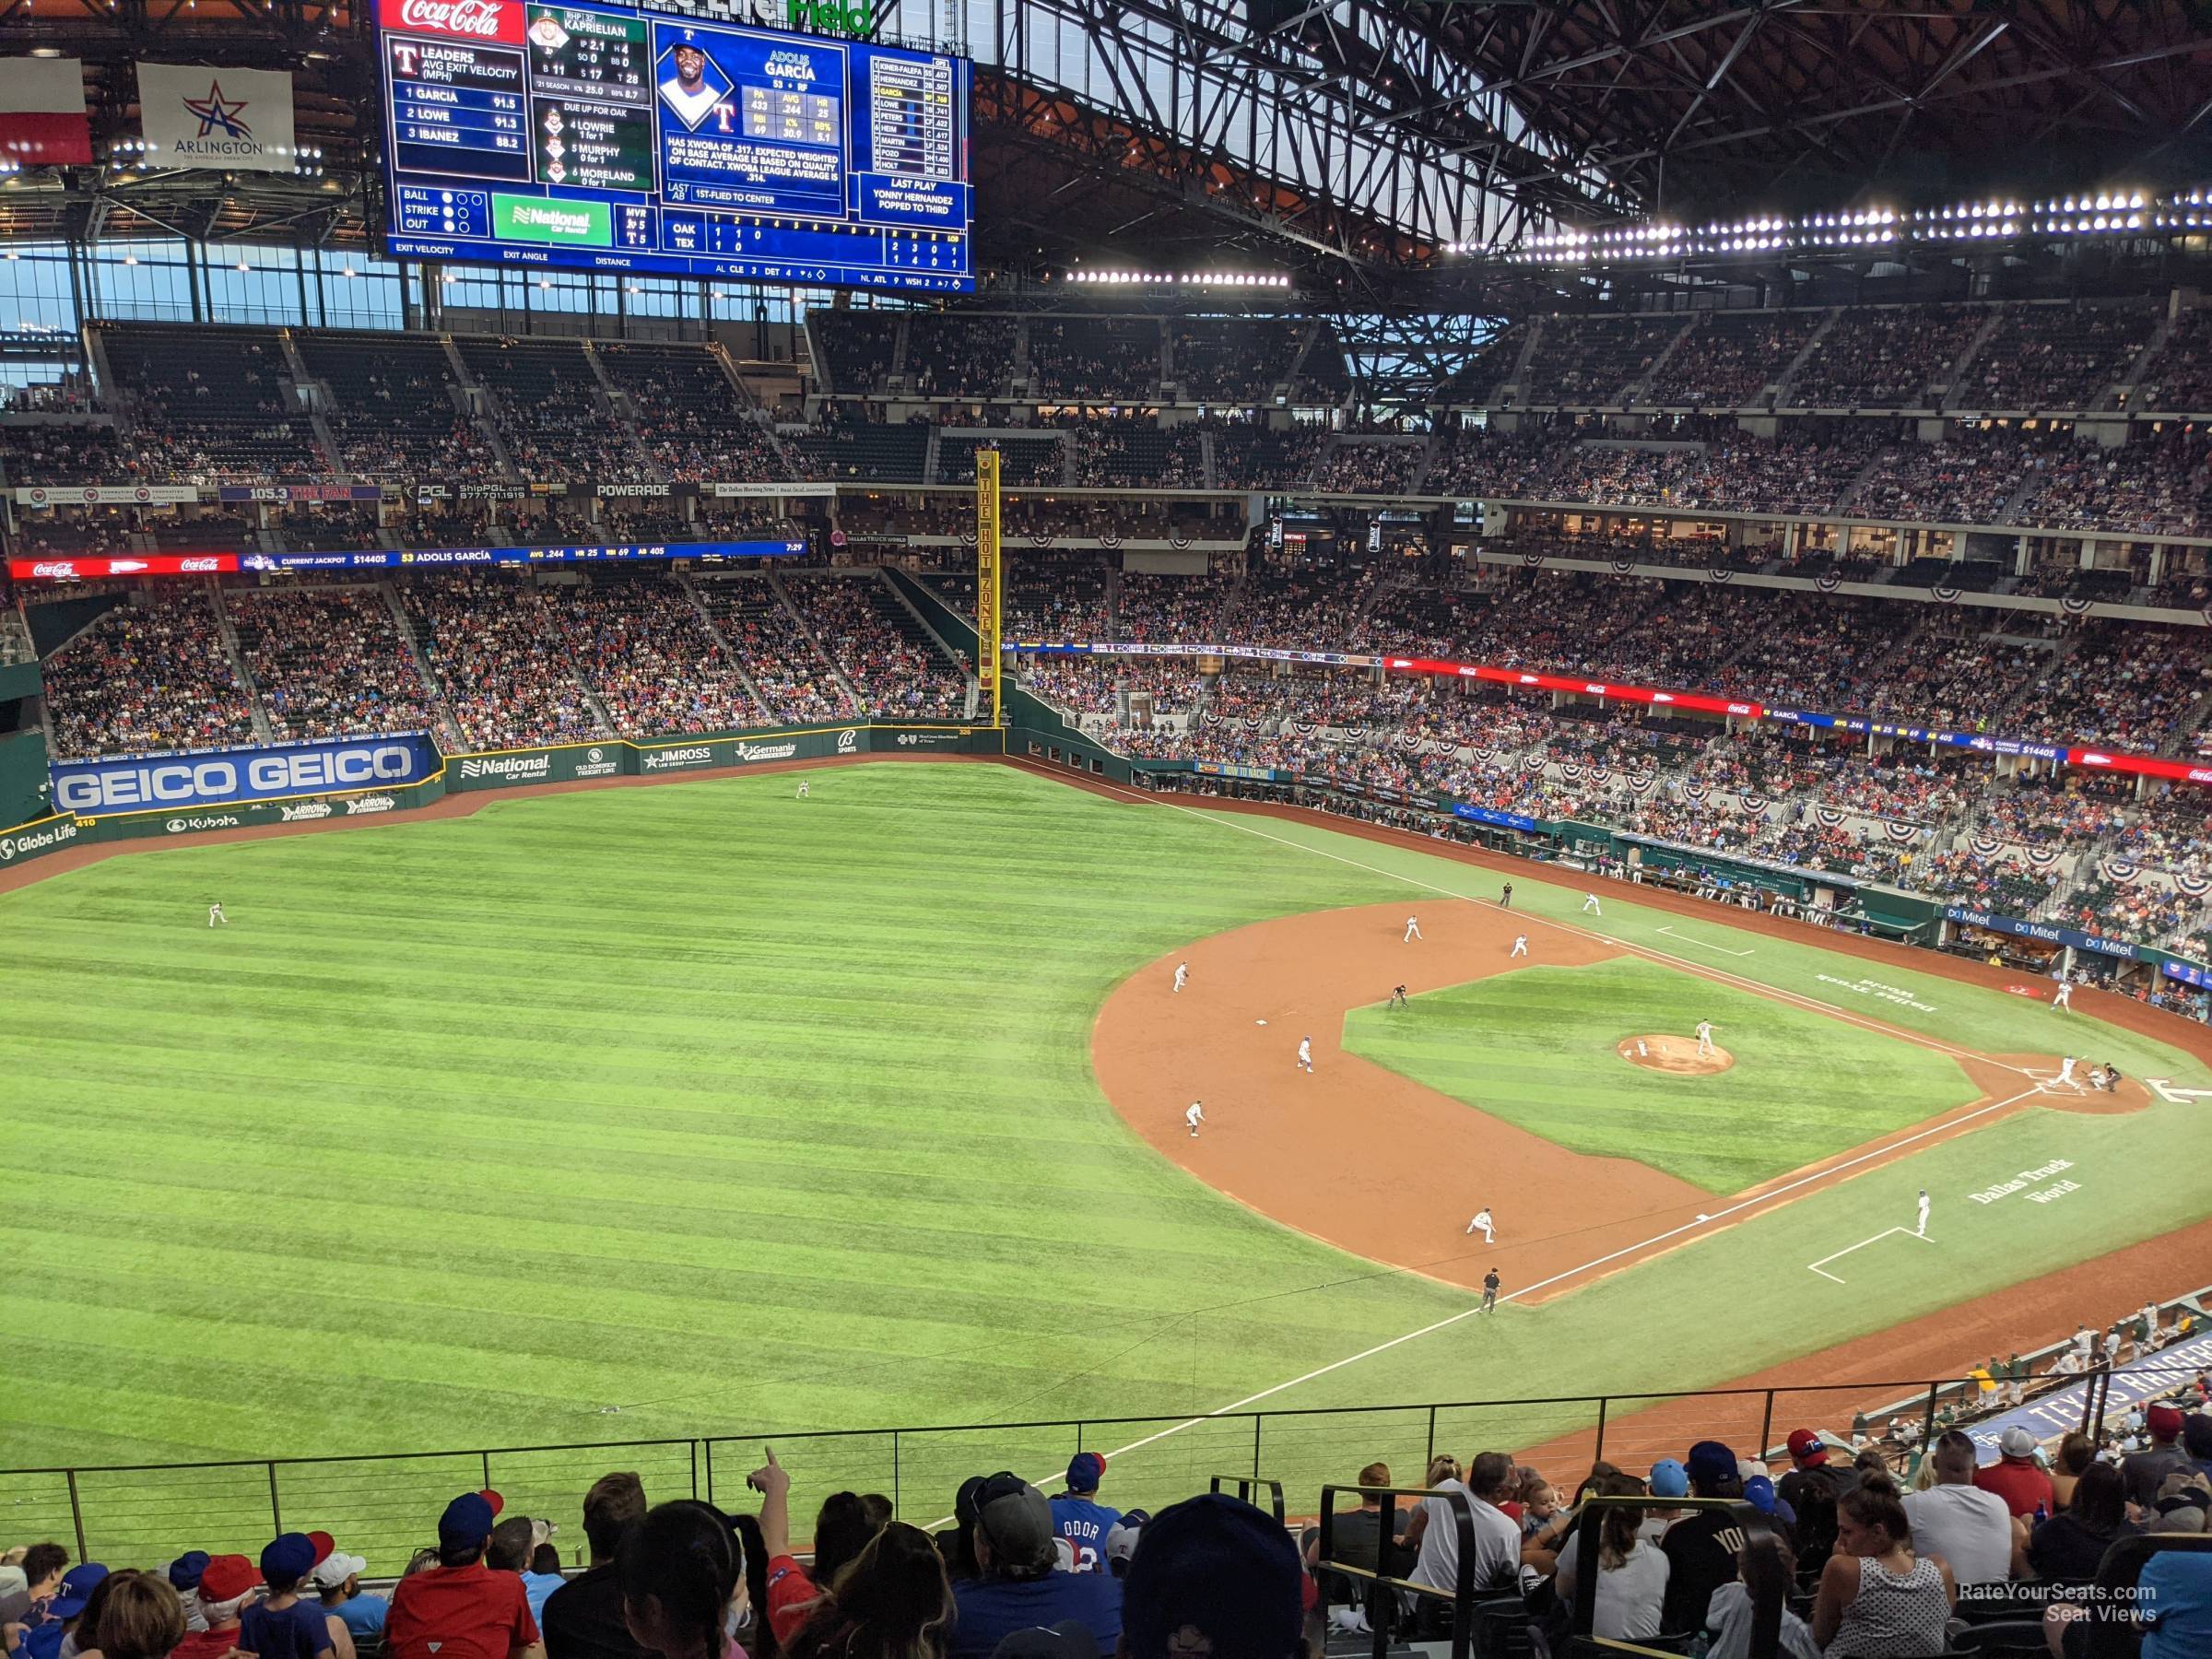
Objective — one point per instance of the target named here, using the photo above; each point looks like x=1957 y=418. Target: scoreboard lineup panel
x=598 y=138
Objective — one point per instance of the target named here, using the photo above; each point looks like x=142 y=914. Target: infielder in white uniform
x=1704 y=1039
x=1520 y=945
x=1413 y=930
x=1183 y=975
x=1922 y=1228
x=2063 y=996
x=1305 y=1053
x=1195 y=1117
x=216 y=917
x=802 y=794
x=1482 y=1221
x=1589 y=905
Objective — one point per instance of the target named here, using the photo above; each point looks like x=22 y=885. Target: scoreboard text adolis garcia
x=598 y=138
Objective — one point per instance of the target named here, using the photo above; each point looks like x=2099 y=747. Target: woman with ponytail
x=682 y=1572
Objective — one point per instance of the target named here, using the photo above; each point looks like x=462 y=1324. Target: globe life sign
x=830 y=17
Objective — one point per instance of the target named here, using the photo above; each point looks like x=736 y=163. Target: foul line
x=1713 y=1218
x=1700 y=944
x=1821 y=1265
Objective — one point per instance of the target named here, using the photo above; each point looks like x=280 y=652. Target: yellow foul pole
x=990 y=576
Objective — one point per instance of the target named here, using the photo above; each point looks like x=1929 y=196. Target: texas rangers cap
x=289 y=1556
x=1084 y=1471
x=77 y=1590
x=1712 y=1465
x=1806 y=1446
x=2165 y=1421
x=467 y=1519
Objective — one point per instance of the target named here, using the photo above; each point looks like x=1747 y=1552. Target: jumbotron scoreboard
x=600 y=137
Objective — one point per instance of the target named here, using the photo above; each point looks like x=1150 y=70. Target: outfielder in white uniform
x=1922 y=1226
x=1183 y=973
x=1305 y=1053
x=1413 y=930
x=2063 y=996
x=216 y=917
x=1195 y=1117
x=1482 y=1221
x=802 y=794
x=1520 y=945
x=1589 y=905
x=1704 y=1039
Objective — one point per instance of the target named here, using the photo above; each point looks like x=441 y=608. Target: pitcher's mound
x=1676 y=1055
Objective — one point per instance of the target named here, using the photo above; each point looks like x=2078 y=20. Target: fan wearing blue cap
x=185 y=1578
x=460 y=1608
x=283 y=1626
x=1702 y=1547
x=44 y=1639
x=1080 y=1517
x=1213 y=1575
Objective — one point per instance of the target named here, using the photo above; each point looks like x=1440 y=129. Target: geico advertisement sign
x=185 y=780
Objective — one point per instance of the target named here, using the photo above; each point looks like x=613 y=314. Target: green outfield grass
x=1535 y=1047
x=742 y=1113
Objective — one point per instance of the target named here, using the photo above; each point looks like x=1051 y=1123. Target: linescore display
x=598 y=138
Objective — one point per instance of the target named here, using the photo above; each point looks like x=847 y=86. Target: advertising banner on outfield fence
x=207 y=777
x=510 y=768
x=2039 y=930
x=37 y=839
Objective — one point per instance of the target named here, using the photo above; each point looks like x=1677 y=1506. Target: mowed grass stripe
x=634 y=1092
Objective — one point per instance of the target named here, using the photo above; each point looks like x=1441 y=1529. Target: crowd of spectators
x=898 y=672
x=693 y=422
x=1233 y=361
x=1100 y=359
x=2179 y=379
x=145 y=676
x=1250 y=456
x=1883 y=357
x=1728 y=358
x=1353 y=467
x=1889 y=1538
x=2055 y=356
x=502 y=666
x=641 y=646
x=551 y=413
x=57 y=453
x=794 y=679
x=1594 y=359
x=951 y=355
x=329 y=662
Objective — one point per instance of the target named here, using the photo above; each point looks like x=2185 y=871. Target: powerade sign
x=225 y=777
x=2040 y=930
x=1503 y=820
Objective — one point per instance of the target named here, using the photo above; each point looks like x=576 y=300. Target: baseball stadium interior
x=1742 y=474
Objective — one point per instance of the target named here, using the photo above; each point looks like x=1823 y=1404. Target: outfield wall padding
x=511 y=769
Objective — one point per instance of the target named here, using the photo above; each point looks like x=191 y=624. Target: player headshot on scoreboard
x=553 y=124
x=692 y=86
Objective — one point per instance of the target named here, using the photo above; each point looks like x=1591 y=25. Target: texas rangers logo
x=214 y=111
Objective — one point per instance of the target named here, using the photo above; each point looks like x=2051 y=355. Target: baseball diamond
x=965 y=831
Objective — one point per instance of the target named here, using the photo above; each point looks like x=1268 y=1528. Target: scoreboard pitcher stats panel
x=599 y=137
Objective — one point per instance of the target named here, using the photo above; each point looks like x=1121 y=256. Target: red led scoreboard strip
x=1696 y=702
x=2089 y=760
x=148 y=564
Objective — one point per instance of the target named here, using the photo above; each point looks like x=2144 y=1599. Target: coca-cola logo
x=470 y=19
x=62 y=567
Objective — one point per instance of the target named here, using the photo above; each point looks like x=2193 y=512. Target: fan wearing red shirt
x=2016 y=1476
x=460 y=1608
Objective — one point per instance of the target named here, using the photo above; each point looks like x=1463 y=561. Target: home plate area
x=1676 y=1055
